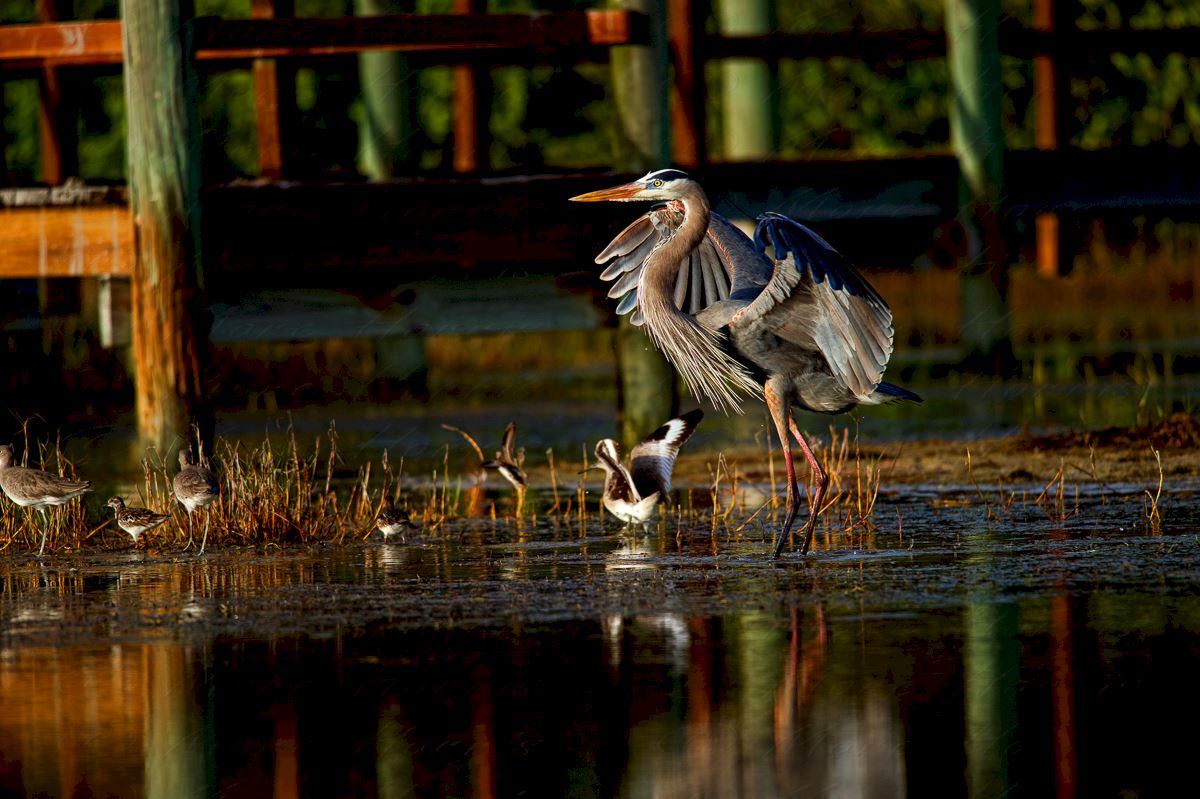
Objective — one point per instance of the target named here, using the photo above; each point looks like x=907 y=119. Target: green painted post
x=647 y=390
x=748 y=117
x=169 y=317
x=385 y=130
x=977 y=135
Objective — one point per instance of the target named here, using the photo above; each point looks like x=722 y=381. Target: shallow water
x=961 y=648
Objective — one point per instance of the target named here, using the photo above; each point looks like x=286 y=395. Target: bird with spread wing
x=632 y=494
x=782 y=316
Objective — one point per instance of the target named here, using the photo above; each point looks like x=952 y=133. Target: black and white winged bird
x=632 y=494
x=508 y=462
x=783 y=316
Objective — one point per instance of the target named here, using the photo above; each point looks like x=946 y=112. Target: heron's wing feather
x=653 y=459
x=722 y=265
x=817 y=299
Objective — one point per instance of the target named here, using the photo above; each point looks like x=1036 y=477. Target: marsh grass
x=305 y=493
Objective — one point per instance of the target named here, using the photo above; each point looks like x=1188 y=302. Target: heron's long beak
x=626 y=191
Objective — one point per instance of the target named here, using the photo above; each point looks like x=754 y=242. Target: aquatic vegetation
x=304 y=492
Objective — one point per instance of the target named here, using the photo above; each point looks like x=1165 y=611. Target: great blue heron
x=801 y=328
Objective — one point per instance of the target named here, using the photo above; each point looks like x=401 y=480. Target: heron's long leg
x=780 y=415
x=822 y=485
x=188 y=545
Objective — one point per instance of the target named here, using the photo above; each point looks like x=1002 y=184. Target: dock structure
x=188 y=248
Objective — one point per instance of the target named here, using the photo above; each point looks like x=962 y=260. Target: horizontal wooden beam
x=66 y=241
x=257 y=234
x=921 y=43
x=60 y=44
x=569 y=36
x=574 y=36
x=905 y=45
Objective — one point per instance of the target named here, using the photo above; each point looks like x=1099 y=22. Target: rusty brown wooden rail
x=571 y=35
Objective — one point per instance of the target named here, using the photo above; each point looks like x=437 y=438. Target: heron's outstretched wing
x=653 y=459
x=725 y=264
x=815 y=298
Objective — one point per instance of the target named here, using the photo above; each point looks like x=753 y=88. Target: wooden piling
x=170 y=320
x=385 y=131
x=977 y=136
x=646 y=382
x=472 y=106
x=275 y=112
x=746 y=96
x=1050 y=92
x=685 y=29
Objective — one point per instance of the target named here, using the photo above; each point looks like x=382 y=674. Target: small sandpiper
x=136 y=521
x=392 y=521
x=633 y=494
x=195 y=487
x=509 y=463
x=34 y=488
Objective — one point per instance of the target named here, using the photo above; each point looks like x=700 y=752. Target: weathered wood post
x=748 y=118
x=170 y=319
x=977 y=136
x=274 y=99
x=1050 y=91
x=685 y=31
x=646 y=382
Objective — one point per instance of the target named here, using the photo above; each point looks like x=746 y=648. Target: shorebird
x=633 y=494
x=195 y=487
x=798 y=326
x=34 y=488
x=392 y=520
x=135 y=521
x=508 y=463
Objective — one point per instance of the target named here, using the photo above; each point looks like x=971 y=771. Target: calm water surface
x=945 y=654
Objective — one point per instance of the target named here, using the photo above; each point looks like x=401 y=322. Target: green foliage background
x=559 y=118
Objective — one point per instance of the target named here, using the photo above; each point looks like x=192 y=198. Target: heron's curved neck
x=664 y=263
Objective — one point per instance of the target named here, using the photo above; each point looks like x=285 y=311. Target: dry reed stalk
x=1153 y=514
x=553 y=480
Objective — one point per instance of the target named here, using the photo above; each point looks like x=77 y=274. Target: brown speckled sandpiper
x=34 y=488
x=136 y=521
x=392 y=520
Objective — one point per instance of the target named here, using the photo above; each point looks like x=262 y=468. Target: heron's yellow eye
x=657 y=183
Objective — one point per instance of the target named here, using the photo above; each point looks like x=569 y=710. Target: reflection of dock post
x=175 y=763
x=170 y=320
x=639 y=77
x=991 y=668
x=977 y=135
